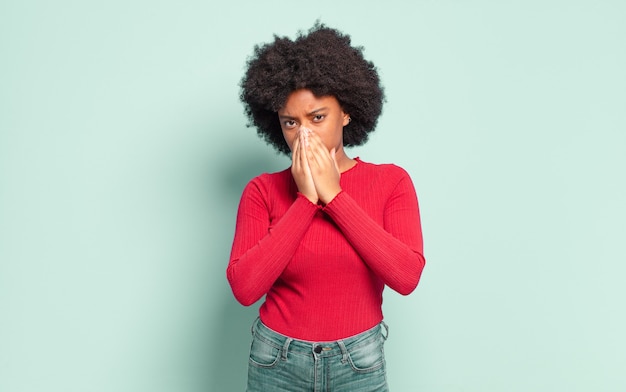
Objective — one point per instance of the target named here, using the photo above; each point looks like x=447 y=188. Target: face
x=323 y=115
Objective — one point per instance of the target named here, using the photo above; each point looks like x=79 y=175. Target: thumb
x=332 y=155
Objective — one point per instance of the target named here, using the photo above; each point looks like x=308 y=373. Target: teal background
x=123 y=152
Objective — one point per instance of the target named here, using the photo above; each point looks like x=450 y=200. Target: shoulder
x=267 y=183
x=388 y=171
x=272 y=178
x=387 y=178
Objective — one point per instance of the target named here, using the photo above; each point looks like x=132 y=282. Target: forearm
x=398 y=262
x=261 y=252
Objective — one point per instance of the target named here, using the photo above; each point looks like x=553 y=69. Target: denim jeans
x=279 y=363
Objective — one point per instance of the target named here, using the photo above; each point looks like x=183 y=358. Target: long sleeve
x=322 y=270
x=393 y=250
x=262 y=249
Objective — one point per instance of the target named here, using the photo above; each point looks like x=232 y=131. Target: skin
x=313 y=128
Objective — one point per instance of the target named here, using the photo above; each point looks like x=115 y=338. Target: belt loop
x=283 y=354
x=344 y=351
x=386 y=334
x=253 y=325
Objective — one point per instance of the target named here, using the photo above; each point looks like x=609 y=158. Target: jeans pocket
x=263 y=354
x=367 y=357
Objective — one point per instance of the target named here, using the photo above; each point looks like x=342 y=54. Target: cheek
x=289 y=138
x=333 y=137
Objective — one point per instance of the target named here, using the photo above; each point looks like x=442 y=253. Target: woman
x=321 y=239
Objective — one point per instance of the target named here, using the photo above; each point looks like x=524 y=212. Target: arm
x=393 y=251
x=261 y=251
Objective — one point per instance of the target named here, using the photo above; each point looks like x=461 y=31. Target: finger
x=298 y=163
x=333 y=155
x=319 y=153
x=295 y=150
x=304 y=162
x=316 y=143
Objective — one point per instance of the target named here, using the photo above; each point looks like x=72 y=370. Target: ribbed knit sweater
x=322 y=269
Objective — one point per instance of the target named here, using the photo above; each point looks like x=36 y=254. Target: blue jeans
x=280 y=363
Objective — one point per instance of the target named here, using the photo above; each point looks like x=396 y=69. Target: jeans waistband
x=321 y=349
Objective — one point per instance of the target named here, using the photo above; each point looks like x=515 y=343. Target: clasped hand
x=314 y=168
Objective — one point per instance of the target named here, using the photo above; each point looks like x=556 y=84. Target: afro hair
x=322 y=61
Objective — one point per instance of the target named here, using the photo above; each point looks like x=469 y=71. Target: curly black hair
x=322 y=61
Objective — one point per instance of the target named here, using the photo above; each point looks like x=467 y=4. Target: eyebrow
x=314 y=112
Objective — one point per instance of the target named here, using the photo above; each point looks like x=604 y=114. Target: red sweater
x=322 y=269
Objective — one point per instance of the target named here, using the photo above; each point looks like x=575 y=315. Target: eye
x=289 y=123
x=319 y=117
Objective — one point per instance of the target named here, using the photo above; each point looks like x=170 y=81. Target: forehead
x=304 y=101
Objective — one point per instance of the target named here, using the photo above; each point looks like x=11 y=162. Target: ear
x=346 y=119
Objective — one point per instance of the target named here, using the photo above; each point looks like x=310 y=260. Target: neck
x=344 y=162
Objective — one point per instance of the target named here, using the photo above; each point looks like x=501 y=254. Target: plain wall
x=124 y=150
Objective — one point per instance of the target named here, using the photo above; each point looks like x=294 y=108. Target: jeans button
x=317 y=349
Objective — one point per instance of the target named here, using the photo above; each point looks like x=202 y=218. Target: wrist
x=312 y=198
x=328 y=197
